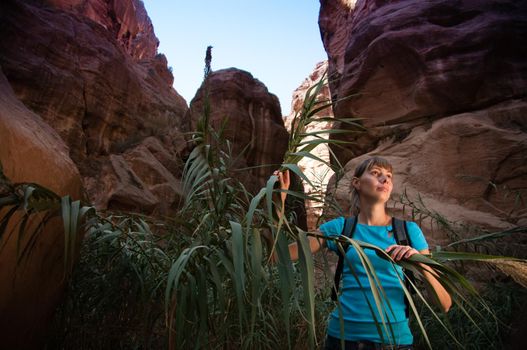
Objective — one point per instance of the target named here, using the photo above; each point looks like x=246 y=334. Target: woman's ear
x=355 y=183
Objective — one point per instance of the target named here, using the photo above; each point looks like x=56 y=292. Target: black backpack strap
x=349 y=228
x=400 y=231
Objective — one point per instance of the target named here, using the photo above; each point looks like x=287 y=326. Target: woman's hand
x=285 y=182
x=398 y=252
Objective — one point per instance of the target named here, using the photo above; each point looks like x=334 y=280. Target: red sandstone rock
x=469 y=167
x=127 y=21
x=91 y=70
x=139 y=180
x=31 y=151
x=255 y=126
x=441 y=88
x=412 y=62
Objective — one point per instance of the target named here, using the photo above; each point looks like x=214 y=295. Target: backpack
x=400 y=232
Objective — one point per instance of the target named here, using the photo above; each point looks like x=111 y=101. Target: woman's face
x=375 y=184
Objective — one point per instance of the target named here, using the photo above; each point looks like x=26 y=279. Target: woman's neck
x=373 y=214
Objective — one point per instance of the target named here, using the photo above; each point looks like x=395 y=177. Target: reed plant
x=204 y=278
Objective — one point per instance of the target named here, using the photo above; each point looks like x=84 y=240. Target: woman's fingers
x=283 y=177
x=410 y=252
x=398 y=252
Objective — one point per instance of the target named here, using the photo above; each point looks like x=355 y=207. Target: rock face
x=317 y=172
x=254 y=122
x=414 y=62
x=468 y=167
x=91 y=70
x=31 y=151
x=126 y=21
x=441 y=87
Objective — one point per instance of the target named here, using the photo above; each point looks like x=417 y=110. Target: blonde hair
x=366 y=164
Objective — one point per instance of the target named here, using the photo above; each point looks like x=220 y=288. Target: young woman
x=371 y=187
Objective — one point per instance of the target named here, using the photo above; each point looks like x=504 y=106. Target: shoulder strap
x=400 y=231
x=349 y=227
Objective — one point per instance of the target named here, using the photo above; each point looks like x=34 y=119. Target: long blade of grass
x=256 y=267
x=237 y=251
x=307 y=276
x=176 y=270
x=66 y=219
x=285 y=274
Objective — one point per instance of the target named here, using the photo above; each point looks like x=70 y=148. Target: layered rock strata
x=440 y=86
x=91 y=70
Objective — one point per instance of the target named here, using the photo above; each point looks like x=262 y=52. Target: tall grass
x=496 y=331
x=203 y=279
x=113 y=299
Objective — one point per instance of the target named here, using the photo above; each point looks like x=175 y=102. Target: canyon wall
x=440 y=87
x=316 y=171
x=87 y=109
x=91 y=70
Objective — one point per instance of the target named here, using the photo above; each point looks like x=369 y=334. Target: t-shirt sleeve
x=417 y=238
x=332 y=228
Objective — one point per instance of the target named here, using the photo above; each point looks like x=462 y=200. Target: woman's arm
x=444 y=298
x=315 y=244
x=285 y=181
x=398 y=252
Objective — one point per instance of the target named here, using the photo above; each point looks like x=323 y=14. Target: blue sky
x=277 y=41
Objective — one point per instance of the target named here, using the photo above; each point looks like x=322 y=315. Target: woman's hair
x=366 y=164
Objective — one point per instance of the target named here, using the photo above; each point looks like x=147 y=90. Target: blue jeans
x=333 y=343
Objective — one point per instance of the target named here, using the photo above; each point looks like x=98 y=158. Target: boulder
x=254 y=123
x=31 y=151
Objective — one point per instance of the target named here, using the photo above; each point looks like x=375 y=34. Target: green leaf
x=256 y=267
x=238 y=258
x=176 y=270
x=66 y=219
x=269 y=194
x=307 y=276
x=294 y=168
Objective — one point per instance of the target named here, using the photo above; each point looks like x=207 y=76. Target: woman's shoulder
x=333 y=226
x=412 y=225
x=416 y=235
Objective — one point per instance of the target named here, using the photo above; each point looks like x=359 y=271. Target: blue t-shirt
x=359 y=323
